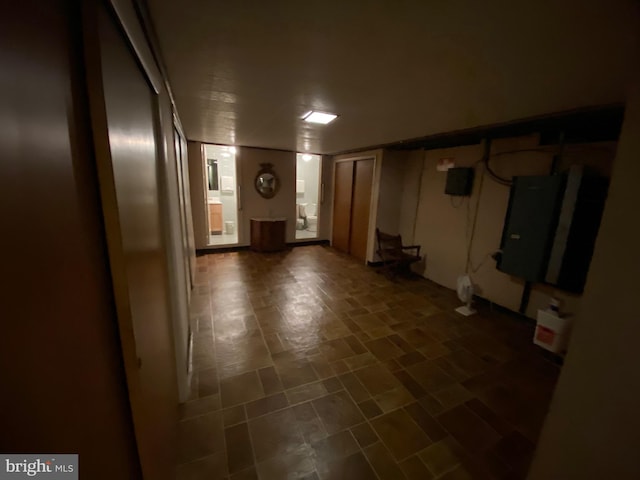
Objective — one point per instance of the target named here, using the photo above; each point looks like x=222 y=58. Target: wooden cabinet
x=215 y=218
x=268 y=234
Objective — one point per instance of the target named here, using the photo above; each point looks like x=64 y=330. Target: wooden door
x=124 y=111
x=343 y=189
x=360 y=208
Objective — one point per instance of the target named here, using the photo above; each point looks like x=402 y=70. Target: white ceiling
x=244 y=72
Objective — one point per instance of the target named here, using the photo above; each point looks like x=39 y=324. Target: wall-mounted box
x=459 y=181
x=551 y=227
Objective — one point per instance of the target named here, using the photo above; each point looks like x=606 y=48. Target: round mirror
x=267 y=182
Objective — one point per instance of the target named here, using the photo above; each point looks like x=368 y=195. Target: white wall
x=593 y=426
x=443 y=225
x=253 y=205
x=392 y=165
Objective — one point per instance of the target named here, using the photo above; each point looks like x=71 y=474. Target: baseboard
x=206 y=251
x=241 y=248
x=304 y=243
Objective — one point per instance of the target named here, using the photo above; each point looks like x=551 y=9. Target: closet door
x=360 y=207
x=124 y=111
x=343 y=190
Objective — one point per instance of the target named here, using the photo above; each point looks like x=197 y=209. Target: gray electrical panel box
x=551 y=226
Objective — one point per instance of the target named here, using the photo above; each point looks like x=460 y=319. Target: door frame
x=320 y=199
x=373 y=205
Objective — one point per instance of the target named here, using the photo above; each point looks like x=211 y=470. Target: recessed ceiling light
x=319 y=117
x=306 y=157
x=232 y=149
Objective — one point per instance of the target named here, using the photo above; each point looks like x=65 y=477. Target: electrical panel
x=551 y=226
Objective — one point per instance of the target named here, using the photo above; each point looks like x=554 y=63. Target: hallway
x=309 y=365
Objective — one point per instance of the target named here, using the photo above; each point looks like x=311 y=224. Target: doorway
x=222 y=202
x=352 y=205
x=307 y=195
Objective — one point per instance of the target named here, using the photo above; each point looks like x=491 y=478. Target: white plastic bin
x=552 y=331
x=229 y=228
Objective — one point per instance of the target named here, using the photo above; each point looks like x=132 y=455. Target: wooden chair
x=395 y=256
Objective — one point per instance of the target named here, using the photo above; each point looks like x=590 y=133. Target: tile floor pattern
x=309 y=365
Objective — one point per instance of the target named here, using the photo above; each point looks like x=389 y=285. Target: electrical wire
x=494 y=175
x=487 y=149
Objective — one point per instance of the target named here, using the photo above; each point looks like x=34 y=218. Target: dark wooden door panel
x=360 y=208
x=343 y=190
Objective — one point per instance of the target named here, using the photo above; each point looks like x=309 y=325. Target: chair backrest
x=387 y=242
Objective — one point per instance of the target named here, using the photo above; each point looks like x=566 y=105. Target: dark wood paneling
x=268 y=235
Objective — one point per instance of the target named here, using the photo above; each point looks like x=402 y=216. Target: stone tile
x=355 y=344
x=383 y=349
x=400 y=434
x=352 y=467
x=498 y=424
x=370 y=408
x=270 y=380
x=247 y=474
x=442 y=456
x=414 y=469
x=394 y=398
x=309 y=423
x=430 y=376
x=516 y=451
x=200 y=436
x=382 y=462
x=306 y=392
x=297 y=463
x=360 y=361
x=354 y=387
x=377 y=379
x=208 y=382
x=364 y=435
x=332 y=384
x=427 y=423
x=452 y=395
x=468 y=429
x=337 y=411
x=337 y=349
x=334 y=447
x=401 y=343
x=213 y=466
x=410 y=384
x=266 y=405
x=200 y=406
x=238 y=445
x=297 y=372
x=240 y=389
x=275 y=434
x=233 y=415
x=410 y=358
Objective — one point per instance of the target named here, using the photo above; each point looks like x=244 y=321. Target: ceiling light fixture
x=232 y=149
x=306 y=157
x=319 y=117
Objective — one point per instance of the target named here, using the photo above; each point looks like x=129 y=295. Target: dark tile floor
x=309 y=365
